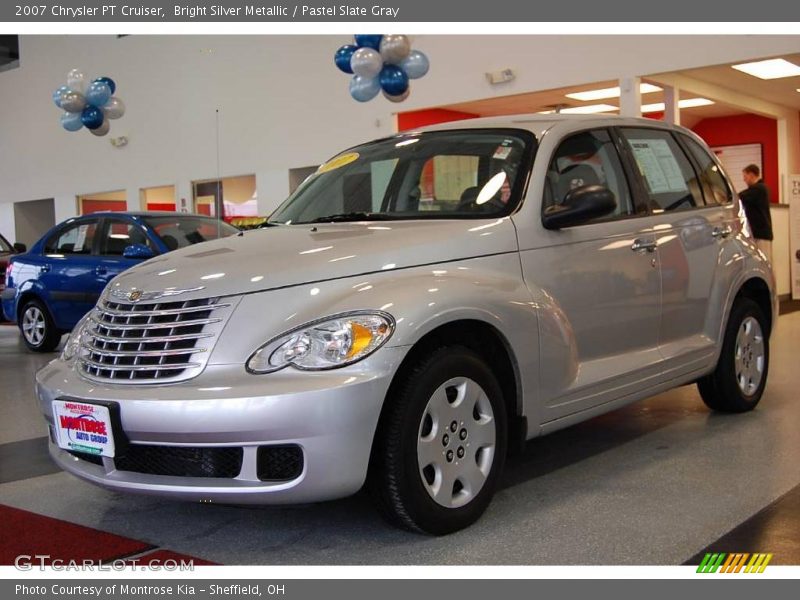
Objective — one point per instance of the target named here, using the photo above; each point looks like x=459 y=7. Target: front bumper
x=330 y=415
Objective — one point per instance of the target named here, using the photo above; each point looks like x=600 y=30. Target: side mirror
x=137 y=251
x=20 y=248
x=580 y=206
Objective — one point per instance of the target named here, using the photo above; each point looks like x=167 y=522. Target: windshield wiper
x=352 y=216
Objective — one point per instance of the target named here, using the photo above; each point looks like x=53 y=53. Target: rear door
x=692 y=206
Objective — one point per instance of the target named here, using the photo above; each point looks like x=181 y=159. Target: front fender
x=421 y=299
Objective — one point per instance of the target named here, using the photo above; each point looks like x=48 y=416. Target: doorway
x=32 y=219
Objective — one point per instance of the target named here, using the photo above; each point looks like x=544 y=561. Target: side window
x=120 y=234
x=587 y=158
x=715 y=185
x=667 y=173
x=75 y=239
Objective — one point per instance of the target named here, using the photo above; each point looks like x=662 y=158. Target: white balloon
x=77 y=80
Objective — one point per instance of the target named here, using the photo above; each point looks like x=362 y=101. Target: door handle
x=45 y=268
x=721 y=232
x=640 y=244
x=100 y=270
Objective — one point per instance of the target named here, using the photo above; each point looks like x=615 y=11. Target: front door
x=602 y=279
x=68 y=273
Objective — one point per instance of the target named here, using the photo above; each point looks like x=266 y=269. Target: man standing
x=755 y=200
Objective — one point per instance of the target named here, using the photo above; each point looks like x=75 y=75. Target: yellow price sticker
x=338 y=162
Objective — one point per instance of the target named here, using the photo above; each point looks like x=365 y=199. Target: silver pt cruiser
x=419 y=306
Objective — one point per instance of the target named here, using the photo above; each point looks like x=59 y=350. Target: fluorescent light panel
x=688 y=103
x=774 y=68
x=613 y=92
x=583 y=110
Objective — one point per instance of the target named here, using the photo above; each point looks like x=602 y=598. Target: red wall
x=420 y=118
x=88 y=205
x=746 y=129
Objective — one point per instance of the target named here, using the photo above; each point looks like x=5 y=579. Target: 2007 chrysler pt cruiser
x=419 y=306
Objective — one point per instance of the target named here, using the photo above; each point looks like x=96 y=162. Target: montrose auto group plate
x=83 y=427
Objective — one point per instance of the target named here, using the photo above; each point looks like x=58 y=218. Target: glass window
x=715 y=186
x=669 y=178
x=179 y=231
x=5 y=246
x=76 y=239
x=587 y=158
x=237 y=197
x=121 y=234
x=449 y=174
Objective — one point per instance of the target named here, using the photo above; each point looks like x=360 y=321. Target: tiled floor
x=658 y=482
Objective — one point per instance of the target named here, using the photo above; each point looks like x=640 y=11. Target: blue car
x=49 y=288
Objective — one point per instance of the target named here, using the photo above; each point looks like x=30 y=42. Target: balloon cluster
x=87 y=103
x=381 y=63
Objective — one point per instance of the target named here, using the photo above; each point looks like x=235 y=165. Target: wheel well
x=23 y=300
x=486 y=341
x=757 y=290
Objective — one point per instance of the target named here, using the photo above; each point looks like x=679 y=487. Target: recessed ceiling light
x=583 y=110
x=769 y=69
x=688 y=103
x=613 y=92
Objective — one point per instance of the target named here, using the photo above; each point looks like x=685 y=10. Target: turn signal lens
x=330 y=343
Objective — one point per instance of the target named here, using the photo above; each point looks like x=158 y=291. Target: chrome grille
x=155 y=341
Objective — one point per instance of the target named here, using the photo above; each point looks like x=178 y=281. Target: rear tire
x=441 y=443
x=38 y=330
x=737 y=383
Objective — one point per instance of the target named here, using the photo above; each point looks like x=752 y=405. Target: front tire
x=737 y=383
x=37 y=327
x=441 y=444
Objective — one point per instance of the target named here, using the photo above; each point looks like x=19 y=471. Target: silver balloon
x=366 y=62
x=394 y=48
x=77 y=80
x=399 y=97
x=73 y=101
x=102 y=130
x=114 y=108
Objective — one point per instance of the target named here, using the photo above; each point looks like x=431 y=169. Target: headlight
x=73 y=345
x=325 y=344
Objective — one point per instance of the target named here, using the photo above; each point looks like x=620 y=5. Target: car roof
x=540 y=123
x=139 y=213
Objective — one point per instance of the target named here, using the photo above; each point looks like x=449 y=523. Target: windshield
x=178 y=231
x=450 y=174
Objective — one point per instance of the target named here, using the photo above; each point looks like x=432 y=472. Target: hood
x=290 y=255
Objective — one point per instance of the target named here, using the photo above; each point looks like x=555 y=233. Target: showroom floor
x=653 y=483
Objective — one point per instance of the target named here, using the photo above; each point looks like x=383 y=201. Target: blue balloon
x=368 y=41
x=71 y=121
x=415 y=65
x=364 y=89
x=92 y=117
x=343 y=56
x=393 y=80
x=109 y=82
x=57 y=95
x=98 y=94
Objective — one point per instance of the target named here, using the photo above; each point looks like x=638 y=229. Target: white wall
x=282 y=102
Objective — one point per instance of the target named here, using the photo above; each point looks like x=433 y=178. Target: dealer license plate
x=83 y=427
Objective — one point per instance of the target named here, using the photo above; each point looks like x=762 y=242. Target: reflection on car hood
x=296 y=254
